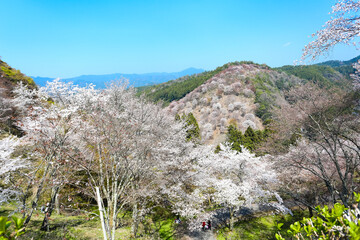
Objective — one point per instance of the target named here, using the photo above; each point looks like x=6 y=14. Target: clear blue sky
x=66 y=38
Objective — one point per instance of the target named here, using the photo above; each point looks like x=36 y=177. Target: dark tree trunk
x=45 y=223
x=310 y=211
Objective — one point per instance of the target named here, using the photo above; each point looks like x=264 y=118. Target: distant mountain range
x=135 y=80
x=337 y=63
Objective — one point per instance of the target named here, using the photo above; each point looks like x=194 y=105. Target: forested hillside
x=322 y=74
x=242 y=151
x=344 y=67
x=9 y=78
x=243 y=94
x=177 y=89
x=177 y=162
x=337 y=63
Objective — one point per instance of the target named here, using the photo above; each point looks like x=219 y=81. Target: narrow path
x=219 y=219
x=200 y=235
x=207 y=235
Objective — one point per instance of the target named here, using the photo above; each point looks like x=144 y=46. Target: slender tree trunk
x=23 y=208
x=101 y=213
x=38 y=193
x=310 y=211
x=57 y=204
x=114 y=218
x=134 y=226
x=231 y=218
x=45 y=223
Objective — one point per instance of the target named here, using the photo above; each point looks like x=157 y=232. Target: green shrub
x=338 y=223
x=8 y=233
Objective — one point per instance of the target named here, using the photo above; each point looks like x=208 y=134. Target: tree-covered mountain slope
x=9 y=78
x=337 y=63
x=177 y=89
x=241 y=94
x=344 y=67
x=238 y=93
x=321 y=75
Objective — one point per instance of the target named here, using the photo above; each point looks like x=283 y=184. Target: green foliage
x=321 y=75
x=265 y=91
x=250 y=139
x=264 y=227
x=8 y=234
x=345 y=70
x=193 y=132
x=357 y=197
x=166 y=230
x=217 y=149
x=70 y=226
x=338 y=223
x=235 y=138
x=15 y=75
x=336 y=63
x=159 y=224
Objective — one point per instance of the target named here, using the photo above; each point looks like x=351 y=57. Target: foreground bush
x=338 y=223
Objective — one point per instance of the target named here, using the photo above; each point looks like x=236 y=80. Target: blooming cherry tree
x=228 y=178
x=9 y=164
x=343 y=27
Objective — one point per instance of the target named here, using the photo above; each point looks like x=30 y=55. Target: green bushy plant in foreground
x=8 y=233
x=338 y=223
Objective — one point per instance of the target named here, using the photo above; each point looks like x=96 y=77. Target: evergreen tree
x=235 y=138
x=251 y=138
x=217 y=149
x=193 y=132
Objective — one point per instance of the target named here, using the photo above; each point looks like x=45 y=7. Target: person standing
x=203 y=226
x=209 y=224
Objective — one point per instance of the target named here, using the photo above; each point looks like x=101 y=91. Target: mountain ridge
x=338 y=63
x=135 y=80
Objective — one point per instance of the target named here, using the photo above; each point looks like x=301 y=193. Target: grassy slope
x=80 y=227
x=64 y=227
x=14 y=76
x=261 y=227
